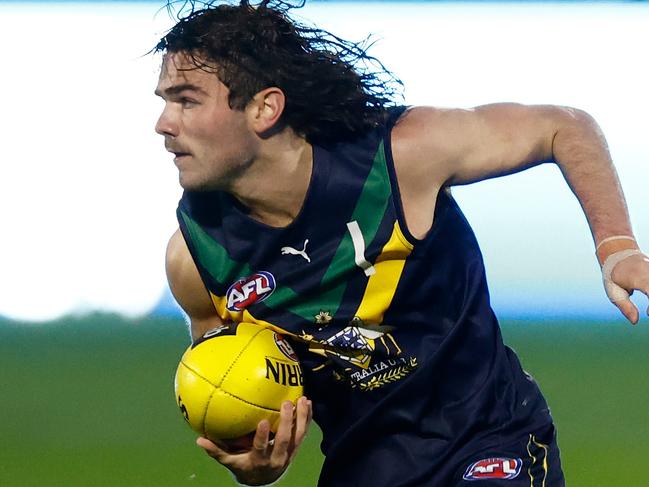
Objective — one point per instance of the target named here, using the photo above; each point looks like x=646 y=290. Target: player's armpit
x=187 y=287
x=436 y=147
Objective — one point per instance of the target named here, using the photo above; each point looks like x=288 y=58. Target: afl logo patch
x=494 y=468
x=250 y=290
x=285 y=347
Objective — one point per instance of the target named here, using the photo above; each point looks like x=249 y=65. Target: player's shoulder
x=424 y=140
x=187 y=286
x=177 y=250
x=182 y=272
x=414 y=116
x=179 y=263
x=430 y=125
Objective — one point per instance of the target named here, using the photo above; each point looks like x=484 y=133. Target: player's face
x=212 y=143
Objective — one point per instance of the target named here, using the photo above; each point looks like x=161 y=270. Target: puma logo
x=292 y=251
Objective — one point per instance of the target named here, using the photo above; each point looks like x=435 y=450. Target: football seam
x=207 y=406
x=234 y=361
x=227 y=371
x=215 y=387
x=225 y=374
x=209 y=399
x=199 y=375
x=246 y=402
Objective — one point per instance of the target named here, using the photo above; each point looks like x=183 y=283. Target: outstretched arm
x=438 y=147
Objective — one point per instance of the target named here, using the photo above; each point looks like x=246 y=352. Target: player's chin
x=186 y=181
x=189 y=183
x=193 y=182
x=237 y=445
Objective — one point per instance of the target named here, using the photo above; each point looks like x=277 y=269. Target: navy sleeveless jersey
x=402 y=354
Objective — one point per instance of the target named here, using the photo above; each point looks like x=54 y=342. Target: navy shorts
x=528 y=459
x=531 y=461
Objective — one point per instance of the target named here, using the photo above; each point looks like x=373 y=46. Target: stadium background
x=89 y=338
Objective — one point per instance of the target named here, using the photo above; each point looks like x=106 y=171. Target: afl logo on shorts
x=494 y=468
x=285 y=347
x=250 y=290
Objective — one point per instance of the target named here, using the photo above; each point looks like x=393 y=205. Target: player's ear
x=265 y=110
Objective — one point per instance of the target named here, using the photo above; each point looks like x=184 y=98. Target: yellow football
x=235 y=376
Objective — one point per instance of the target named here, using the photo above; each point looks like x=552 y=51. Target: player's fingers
x=212 y=449
x=628 y=309
x=284 y=435
x=643 y=286
x=645 y=290
x=304 y=414
x=303 y=418
x=261 y=441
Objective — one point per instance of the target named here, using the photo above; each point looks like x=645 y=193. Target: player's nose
x=166 y=125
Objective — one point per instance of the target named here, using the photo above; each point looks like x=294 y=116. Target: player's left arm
x=452 y=146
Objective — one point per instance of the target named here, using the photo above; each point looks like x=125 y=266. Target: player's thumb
x=617 y=294
x=628 y=309
x=210 y=448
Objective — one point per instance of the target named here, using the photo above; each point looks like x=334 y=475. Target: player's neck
x=275 y=185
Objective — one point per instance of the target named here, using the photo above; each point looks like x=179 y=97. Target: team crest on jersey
x=494 y=468
x=250 y=290
x=365 y=355
x=285 y=347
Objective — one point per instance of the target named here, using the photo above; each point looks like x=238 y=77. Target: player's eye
x=188 y=102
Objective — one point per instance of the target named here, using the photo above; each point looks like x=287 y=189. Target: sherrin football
x=235 y=376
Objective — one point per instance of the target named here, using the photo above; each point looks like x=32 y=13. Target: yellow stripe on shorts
x=538 y=470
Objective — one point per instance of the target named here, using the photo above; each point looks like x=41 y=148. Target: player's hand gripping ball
x=235 y=376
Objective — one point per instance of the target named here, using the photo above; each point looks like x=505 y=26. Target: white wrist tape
x=614 y=237
x=613 y=291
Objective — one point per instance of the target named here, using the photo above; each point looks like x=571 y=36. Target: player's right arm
x=267 y=459
x=434 y=148
x=187 y=287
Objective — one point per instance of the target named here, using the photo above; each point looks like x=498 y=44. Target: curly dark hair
x=334 y=89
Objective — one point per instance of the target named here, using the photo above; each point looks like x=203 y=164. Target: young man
x=314 y=207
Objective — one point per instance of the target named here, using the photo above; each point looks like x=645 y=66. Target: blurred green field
x=89 y=402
